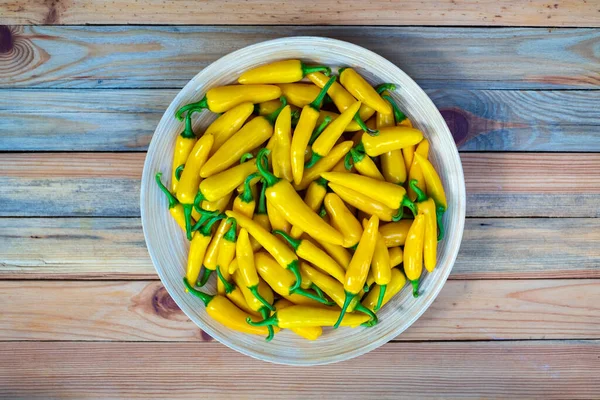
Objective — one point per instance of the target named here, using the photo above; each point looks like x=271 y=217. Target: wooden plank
x=312 y=12
x=168 y=57
x=114 y=248
x=532 y=369
x=490 y=120
x=498 y=184
x=143 y=310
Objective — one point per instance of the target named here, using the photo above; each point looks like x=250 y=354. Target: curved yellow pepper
x=363 y=164
x=217 y=205
x=381 y=267
x=225 y=255
x=394 y=234
x=396 y=256
x=223 y=183
x=305 y=316
x=343 y=220
x=363 y=91
x=408 y=153
x=309 y=332
x=198 y=246
x=389 y=139
x=229 y=123
x=282 y=167
x=286 y=71
x=392 y=162
x=276 y=219
x=435 y=189
x=212 y=252
x=175 y=209
x=260 y=217
x=416 y=173
x=338 y=253
x=244 y=203
x=363 y=202
x=353 y=126
x=325 y=164
x=396 y=284
x=314 y=199
x=183 y=147
x=426 y=206
x=299 y=94
x=413 y=252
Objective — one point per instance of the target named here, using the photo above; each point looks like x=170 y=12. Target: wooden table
x=83 y=313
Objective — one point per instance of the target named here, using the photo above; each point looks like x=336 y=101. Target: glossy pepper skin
x=356 y=274
x=362 y=163
x=353 y=126
x=260 y=216
x=224 y=98
x=381 y=267
x=281 y=280
x=416 y=173
x=284 y=256
x=396 y=284
x=200 y=241
x=223 y=183
x=393 y=196
x=212 y=252
x=392 y=162
x=252 y=135
x=229 y=123
x=389 y=139
x=413 y=252
x=287 y=71
x=225 y=312
x=303 y=132
x=435 y=189
x=395 y=233
x=175 y=208
x=314 y=199
x=225 y=256
x=309 y=332
x=299 y=94
x=308 y=251
x=426 y=206
x=277 y=219
x=183 y=147
x=304 y=316
x=342 y=219
x=282 y=195
x=187 y=188
x=363 y=202
x=245 y=203
x=325 y=164
x=363 y=91
x=217 y=205
x=396 y=256
x=282 y=166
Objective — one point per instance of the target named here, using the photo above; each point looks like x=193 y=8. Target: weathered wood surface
x=114 y=248
x=107 y=184
x=142 y=310
x=124 y=120
x=168 y=57
x=312 y=12
x=541 y=369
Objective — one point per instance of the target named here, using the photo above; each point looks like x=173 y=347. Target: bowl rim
x=456 y=237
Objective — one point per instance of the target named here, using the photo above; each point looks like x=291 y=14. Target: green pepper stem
x=262 y=163
x=295 y=243
x=295 y=118
x=205 y=275
x=347 y=301
x=187 y=213
x=293 y=266
x=198 y=200
x=255 y=293
x=172 y=199
x=313 y=160
x=314 y=297
x=363 y=125
x=246 y=195
x=373 y=321
x=264 y=312
x=316 y=68
x=206 y=216
x=421 y=196
x=440 y=222
x=205 y=230
x=348 y=160
x=245 y=157
x=366 y=288
x=271 y=321
x=341 y=70
x=321 y=182
x=318 y=291
x=188 y=132
x=262 y=200
x=399 y=214
x=398 y=115
x=178 y=171
x=322 y=212
x=230 y=235
x=415 y=286
x=205 y=297
x=192 y=107
x=318 y=101
x=385 y=86
x=319 y=129
x=406 y=202
x=229 y=287
x=273 y=116
x=382 y=289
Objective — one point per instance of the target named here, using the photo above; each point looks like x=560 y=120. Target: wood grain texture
x=312 y=12
x=543 y=369
x=124 y=119
x=114 y=248
x=142 y=310
x=104 y=184
x=168 y=57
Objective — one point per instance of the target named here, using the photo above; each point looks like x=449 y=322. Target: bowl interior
x=167 y=245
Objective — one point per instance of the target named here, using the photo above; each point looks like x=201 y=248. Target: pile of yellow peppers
x=310 y=197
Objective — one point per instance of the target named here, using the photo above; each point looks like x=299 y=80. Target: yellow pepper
x=299 y=94
x=309 y=332
x=426 y=206
x=218 y=205
x=183 y=147
x=277 y=219
x=328 y=138
x=341 y=167
x=223 y=183
x=198 y=246
x=314 y=199
x=175 y=209
x=187 y=188
x=224 y=98
x=363 y=91
x=245 y=203
x=391 y=195
x=225 y=255
x=212 y=252
x=413 y=252
x=287 y=71
x=282 y=195
x=356 y=274
x=363 y=202
x=408 y=154
x=396 y=284
x=381 y=267
x=396 y=256
x=303 y=132
x=325 y=164
x=284 y=256
x=229 y=123
x=282 y=167
x=435 y=189
x=304 y=316
x=252 y=135
x=392 y=162
x=389 y=139
x=308 y=251
x=225 y=312
x=342 y=100
x=416 y=173
x=363 y=164
x=394 y=234
x=261 y=217
x=280 y=279
x=343 y=220
x=353 y=126
x=338 y=253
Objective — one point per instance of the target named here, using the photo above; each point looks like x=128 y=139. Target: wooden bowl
x=168 y=247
